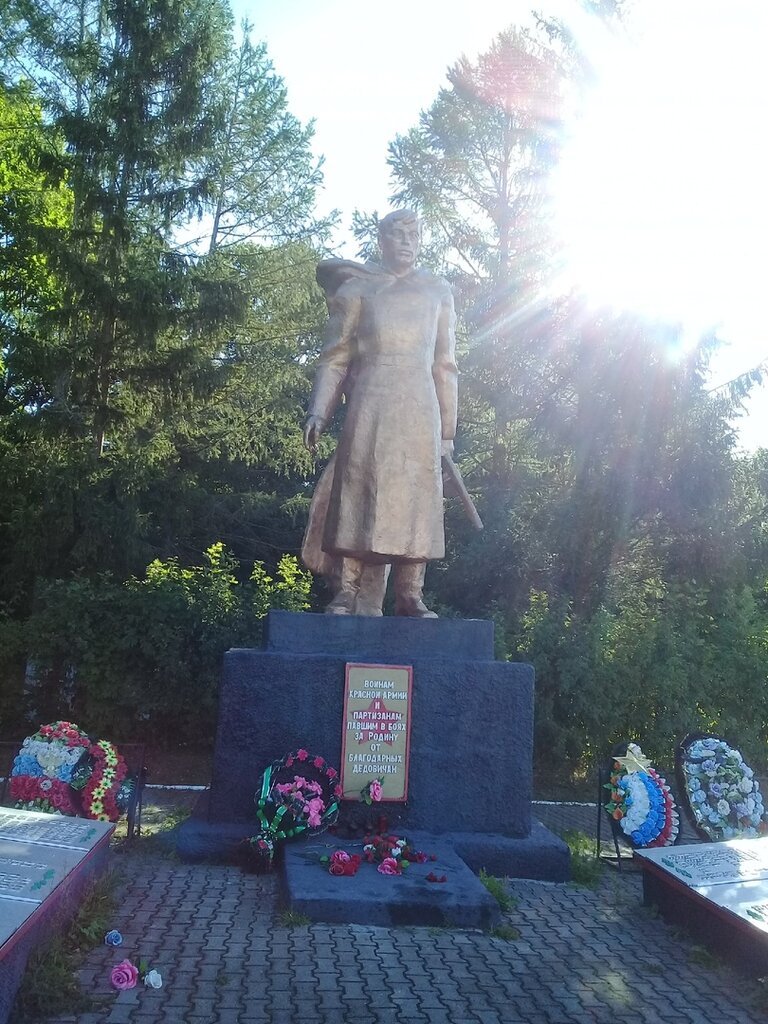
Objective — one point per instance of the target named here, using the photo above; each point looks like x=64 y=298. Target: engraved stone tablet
x=747 y=900
x=30 y=873
x=50 y=829
x=37 y=853
x=738 y=860
x=13 y=914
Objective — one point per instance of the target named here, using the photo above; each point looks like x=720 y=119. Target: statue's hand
x=446 y=447
x=313 y=428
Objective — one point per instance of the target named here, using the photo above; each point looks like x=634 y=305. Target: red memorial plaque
x=377 y=727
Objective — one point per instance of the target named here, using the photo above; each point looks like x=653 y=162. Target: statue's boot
x=409 y=589
x=373 y=586
x=345 y=598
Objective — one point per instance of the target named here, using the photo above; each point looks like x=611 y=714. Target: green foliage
x=704 y=958
x=497 y=887
x=263 y=192
x=141 y=659
x=585 y=867
x=50 y=984
x=662 y=661
x=150 y=396
x=292 y=919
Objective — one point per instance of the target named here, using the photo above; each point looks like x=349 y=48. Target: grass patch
x=585 y=867
x=497 y=887
x=701 y=956
x=50 y=985
x=157 y=823
x=292 y=919
x=505 y=932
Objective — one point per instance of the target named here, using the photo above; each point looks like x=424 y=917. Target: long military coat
x=389 y=349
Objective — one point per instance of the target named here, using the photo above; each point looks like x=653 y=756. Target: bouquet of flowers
x=297 y=794
x=722 y=794
x=391 y=854
x=342 y=863
x=640 y=802
x=61 y=770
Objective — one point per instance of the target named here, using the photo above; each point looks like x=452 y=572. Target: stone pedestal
x=470 y=777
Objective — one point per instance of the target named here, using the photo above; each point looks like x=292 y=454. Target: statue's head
x=400 y=240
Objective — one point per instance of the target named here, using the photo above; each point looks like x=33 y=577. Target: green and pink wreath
x=299 y=794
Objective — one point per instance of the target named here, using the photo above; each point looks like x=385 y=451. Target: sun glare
x=660 y=197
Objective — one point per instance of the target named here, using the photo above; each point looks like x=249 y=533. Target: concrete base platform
x=200 y=839
x=374 y=899
x=539 y=855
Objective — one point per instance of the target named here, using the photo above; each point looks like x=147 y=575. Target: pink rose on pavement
x=375 y=790
x=124 y=975
x=339 y=857
x=302 y=754
x=389 y=867
x=318 y=762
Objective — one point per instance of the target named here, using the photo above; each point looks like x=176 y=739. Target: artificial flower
x=124 y=975
x=724 y=798
x=389 y=866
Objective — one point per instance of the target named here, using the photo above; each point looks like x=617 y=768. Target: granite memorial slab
x=13 y=914
x=747 y=900
x=50 y=829
x=707 y=864
x=718 y=891
x=30 y=872
x=46 y=861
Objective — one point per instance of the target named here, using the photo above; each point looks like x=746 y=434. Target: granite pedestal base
x=471 y=748
x=462 y=901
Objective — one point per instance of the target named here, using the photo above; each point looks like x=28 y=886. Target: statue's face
x=400 y=245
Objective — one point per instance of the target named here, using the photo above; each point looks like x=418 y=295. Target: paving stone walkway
x=228 y=957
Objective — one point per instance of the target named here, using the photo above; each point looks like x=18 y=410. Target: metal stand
x=603 y=777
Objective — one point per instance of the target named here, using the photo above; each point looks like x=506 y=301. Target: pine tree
x=262 y=171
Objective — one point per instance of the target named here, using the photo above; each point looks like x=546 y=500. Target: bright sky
x=663 y=192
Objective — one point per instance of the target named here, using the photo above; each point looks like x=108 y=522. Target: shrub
x=662 y=662
x=142 y=657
